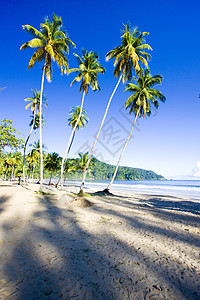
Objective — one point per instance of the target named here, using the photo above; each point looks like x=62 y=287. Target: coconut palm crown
x=74 y=112
x=130 y=53
x=52 y=43
x=143 y=94
x=89 y=67
x=34 y=102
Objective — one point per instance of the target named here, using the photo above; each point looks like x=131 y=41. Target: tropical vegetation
x=51 y=43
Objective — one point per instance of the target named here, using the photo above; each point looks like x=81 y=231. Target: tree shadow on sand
x=56 y=256
x=3 y=200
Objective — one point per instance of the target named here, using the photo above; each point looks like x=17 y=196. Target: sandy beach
x=55 y=246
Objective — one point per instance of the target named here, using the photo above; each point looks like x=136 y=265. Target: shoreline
x=125 y=246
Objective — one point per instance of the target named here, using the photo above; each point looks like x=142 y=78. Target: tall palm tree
x=52 y=43
x=140 y=102
x=126 y=57
x=89 y=68
x=83 y=120
x=34 y=104
x=52 y=163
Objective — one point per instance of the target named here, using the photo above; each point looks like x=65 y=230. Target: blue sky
x=169 y=141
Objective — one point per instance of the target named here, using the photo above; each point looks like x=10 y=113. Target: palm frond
x=33 y=31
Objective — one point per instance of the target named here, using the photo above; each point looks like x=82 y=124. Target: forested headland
x=104 y=171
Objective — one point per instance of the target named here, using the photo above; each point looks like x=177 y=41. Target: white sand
x=121 y=247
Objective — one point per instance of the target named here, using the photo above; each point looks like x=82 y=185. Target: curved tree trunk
x=69 y=143
x=33 y=170
x=24 y=157
x=41 y=154
x=120 y=158
x=102 y=122
x=56 y=185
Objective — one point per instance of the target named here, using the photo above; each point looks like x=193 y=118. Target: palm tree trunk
x=50 y=178
x=102 y=122
x=24 y=157
x=13 y=168
x=33 y=170
x=41 y=154
x=120 y=158
x=65 y=160
x=5 y=177
x=69 y=142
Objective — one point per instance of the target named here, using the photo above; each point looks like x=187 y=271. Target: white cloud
x=196 y=170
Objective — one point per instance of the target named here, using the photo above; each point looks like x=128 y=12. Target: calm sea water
x=183 y=188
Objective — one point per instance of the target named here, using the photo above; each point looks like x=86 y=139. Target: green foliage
x=34 y=102
x=103 y=171
x=89 y=67
x=52 y=162
x=143 y=94
x=52 y=43
x=10 y=164
x=75 y=112
x=81 y=162
x=8 y=136
x=128 y=56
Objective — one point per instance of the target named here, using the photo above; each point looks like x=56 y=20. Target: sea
x=179 y=188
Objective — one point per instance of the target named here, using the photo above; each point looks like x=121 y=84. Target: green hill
x=103 y=171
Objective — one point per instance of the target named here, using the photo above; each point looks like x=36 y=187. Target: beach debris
x=157 y=287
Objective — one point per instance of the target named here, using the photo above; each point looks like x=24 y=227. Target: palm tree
x=126 y=57
x=34 y=104
x=139 y=103
x=16 y=160
x=52 y=43
x=7 y=162
x=89 y=67
x=52 y=163
x=83 y=120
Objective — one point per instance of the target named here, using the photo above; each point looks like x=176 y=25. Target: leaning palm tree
x=34 y=104
x=140 y=102
x=127 y=58
x=89 y=68
x=52 y=163
x=52 y=43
